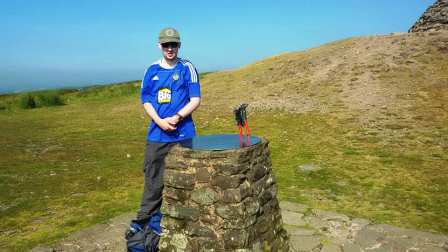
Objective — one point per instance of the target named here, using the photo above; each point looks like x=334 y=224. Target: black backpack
x=144 y=237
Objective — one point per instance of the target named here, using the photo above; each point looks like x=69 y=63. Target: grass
x=64 y=168
x=73 y=166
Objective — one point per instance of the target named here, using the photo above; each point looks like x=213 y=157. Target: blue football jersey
x=169 y=90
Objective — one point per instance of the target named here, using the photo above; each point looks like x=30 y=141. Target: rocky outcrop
x=435 y=18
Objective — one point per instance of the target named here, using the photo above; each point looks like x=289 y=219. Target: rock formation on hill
x=435 y=18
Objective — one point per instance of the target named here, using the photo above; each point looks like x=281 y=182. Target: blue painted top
x=221 y=142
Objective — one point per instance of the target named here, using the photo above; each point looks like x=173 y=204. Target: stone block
x=175 y=162
x=305 y=243
x=229 y=168
x=293 y=207
x=235 y=239
x=178 y=179
x=204 y=196
x=203 y=175
x=251 y=206
x=236 y=195
x=262 y=224
x=205 y=244
x=176 y=194
x=352 y=248
x=294 y=218
x=200 y=231
x=240 y=223
x=210 y=219
x=172 y=224
x=257 y=172
x=230 y=211
x=266 y=196
x=226 y=182
x=258 y=186
x=326 y=215
x=330 y=247
x=180 y=212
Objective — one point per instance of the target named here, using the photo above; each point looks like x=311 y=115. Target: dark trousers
x=154 y=167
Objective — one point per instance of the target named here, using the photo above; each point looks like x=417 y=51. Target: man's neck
x=166 y=63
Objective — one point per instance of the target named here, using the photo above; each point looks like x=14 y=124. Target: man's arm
x=164 y=124
x=191 y=106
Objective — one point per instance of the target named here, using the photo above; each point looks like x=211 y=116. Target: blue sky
x=60 y=43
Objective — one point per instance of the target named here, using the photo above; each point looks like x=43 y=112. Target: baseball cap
x=169 y=35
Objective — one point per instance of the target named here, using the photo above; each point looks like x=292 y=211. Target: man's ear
x=159 y=46
x=179 y=44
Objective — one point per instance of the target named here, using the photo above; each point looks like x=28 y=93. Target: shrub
x=48 y=99
x=26 y=101
x=39 y=99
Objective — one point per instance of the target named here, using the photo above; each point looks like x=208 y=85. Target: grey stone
x=171 y=223
x=203 y=175
x=266 y=195
x=305 y=243
x=358 y=223
x=262 y=224
x=432 y=249
x=257 y=173
x=326 y=215
x=226 y=182
x=293 y=218
x=204 y=196
x=309 y=167
x=294 y=230
x=237 y=194
x=175 y=162
x=293 y=207
x=331 y=248
x=435 y=18
x=316 y=222
x=251 y=206
x=235 y=239
x=197 y=230
x=175 y=194
x=369 y=238
x=178 y=179
x=352 y=248
x=240 y=223
x=180 y=212
x=258 y=186
x=230 y=168
x=42 y=249
x=179 y=240
x=230 y=211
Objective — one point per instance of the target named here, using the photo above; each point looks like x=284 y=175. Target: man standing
x=170 y=92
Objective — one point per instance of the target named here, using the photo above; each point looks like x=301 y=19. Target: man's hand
x=165 y=125
x=173 y=120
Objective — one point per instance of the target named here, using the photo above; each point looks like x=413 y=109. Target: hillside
x=357 y=126
x=365 y=73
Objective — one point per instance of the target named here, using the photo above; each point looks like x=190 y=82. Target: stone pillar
x=221 y=201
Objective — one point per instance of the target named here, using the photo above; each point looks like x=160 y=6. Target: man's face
x=170 y=50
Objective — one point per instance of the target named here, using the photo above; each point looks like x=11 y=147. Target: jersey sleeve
x=146 y=96
x=194 y=88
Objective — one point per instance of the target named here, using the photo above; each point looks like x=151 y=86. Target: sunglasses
x=170 y=45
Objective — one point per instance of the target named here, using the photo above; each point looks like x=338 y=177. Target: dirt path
x=309 y=230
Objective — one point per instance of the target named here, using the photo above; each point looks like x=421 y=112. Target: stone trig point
x=221 y=201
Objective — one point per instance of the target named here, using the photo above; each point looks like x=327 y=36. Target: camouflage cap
x=169 y=35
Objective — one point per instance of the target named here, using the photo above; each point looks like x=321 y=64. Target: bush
x=48 y=99
x=26 y=101
x=40 y=99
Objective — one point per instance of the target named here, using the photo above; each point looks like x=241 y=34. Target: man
x=170 y=92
